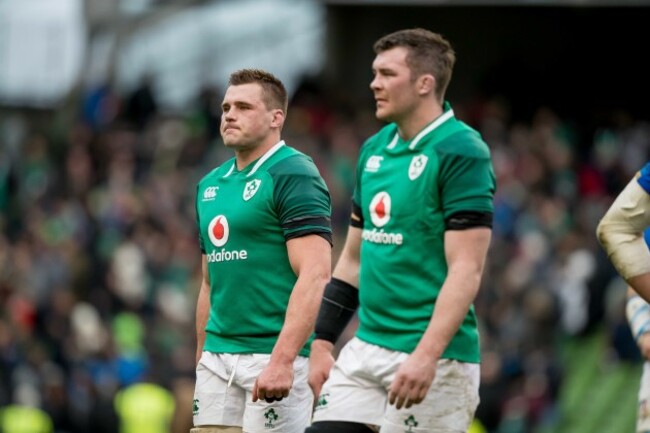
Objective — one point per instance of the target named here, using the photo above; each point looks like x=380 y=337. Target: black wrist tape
x=340 y=301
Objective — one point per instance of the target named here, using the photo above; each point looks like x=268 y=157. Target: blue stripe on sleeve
x=644 y=178
x=641 y=309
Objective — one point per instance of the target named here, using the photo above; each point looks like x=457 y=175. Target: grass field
x=598 y=395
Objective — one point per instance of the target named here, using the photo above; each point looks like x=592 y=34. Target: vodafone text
x=380 y=237
x=226 y=256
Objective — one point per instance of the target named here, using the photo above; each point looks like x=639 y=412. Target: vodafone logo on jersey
x=218 y=230
x=380 y=209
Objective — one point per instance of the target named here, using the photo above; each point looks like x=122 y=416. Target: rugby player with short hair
x=265 y=235
x=412 y=261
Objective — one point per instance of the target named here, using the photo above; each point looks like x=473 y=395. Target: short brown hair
x=273 y=91
x=428 y=53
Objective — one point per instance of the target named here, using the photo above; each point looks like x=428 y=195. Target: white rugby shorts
x=223 y=395
x=357 y=391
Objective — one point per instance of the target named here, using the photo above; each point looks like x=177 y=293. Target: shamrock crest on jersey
x=251 y=188
x=417 y=166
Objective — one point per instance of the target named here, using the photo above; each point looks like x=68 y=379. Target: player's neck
x=244 y=157
x=418 y=119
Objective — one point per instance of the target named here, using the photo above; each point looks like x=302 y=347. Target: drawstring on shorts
x=232 y=371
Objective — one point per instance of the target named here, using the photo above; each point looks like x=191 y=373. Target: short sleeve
x=303 y=202
x=466 y=182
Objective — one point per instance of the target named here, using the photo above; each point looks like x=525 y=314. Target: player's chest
x=244 y=202
x=407 y=178
x=399 y=189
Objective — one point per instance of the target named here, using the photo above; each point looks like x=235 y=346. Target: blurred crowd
x=100 y=263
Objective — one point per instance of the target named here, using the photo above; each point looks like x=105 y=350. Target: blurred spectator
x=144 y=408
x=141 y=105
x=24 y=419
x=100 y=106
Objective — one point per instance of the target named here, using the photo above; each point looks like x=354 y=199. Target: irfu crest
x=251 y=188
x=417 y=166
x=271 y=417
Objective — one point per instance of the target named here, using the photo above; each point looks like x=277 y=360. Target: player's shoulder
x=463 y=140
x=645 y=171
x=381 y=138
x=377 y=142
x=217 y=172
x=291 y=161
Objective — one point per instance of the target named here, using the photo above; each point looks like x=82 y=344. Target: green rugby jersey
x=244 y=220
x=405 y=190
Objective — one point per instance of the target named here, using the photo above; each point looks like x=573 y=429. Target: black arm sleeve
x=463 y=220
x=340 y=301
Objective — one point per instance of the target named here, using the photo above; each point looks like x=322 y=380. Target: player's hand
x=644 y=345
x=321 y=361
x=274 y=382
x=412 y=380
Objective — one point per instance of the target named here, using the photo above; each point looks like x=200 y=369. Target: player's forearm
x=641 y=285
x=348 y=271
x=202 y=314
x=301 y=314
x=453 y=303
x=348 y=265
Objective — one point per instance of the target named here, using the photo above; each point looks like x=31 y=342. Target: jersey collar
x=447 y=114
x=260 y=161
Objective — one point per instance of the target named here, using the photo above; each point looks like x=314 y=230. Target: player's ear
x=278 y=118
x=426 y=83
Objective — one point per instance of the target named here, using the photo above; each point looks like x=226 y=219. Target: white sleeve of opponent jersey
x=621 y=231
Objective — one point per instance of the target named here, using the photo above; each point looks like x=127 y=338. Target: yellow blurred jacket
x=144 y=408
x=24 y=419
